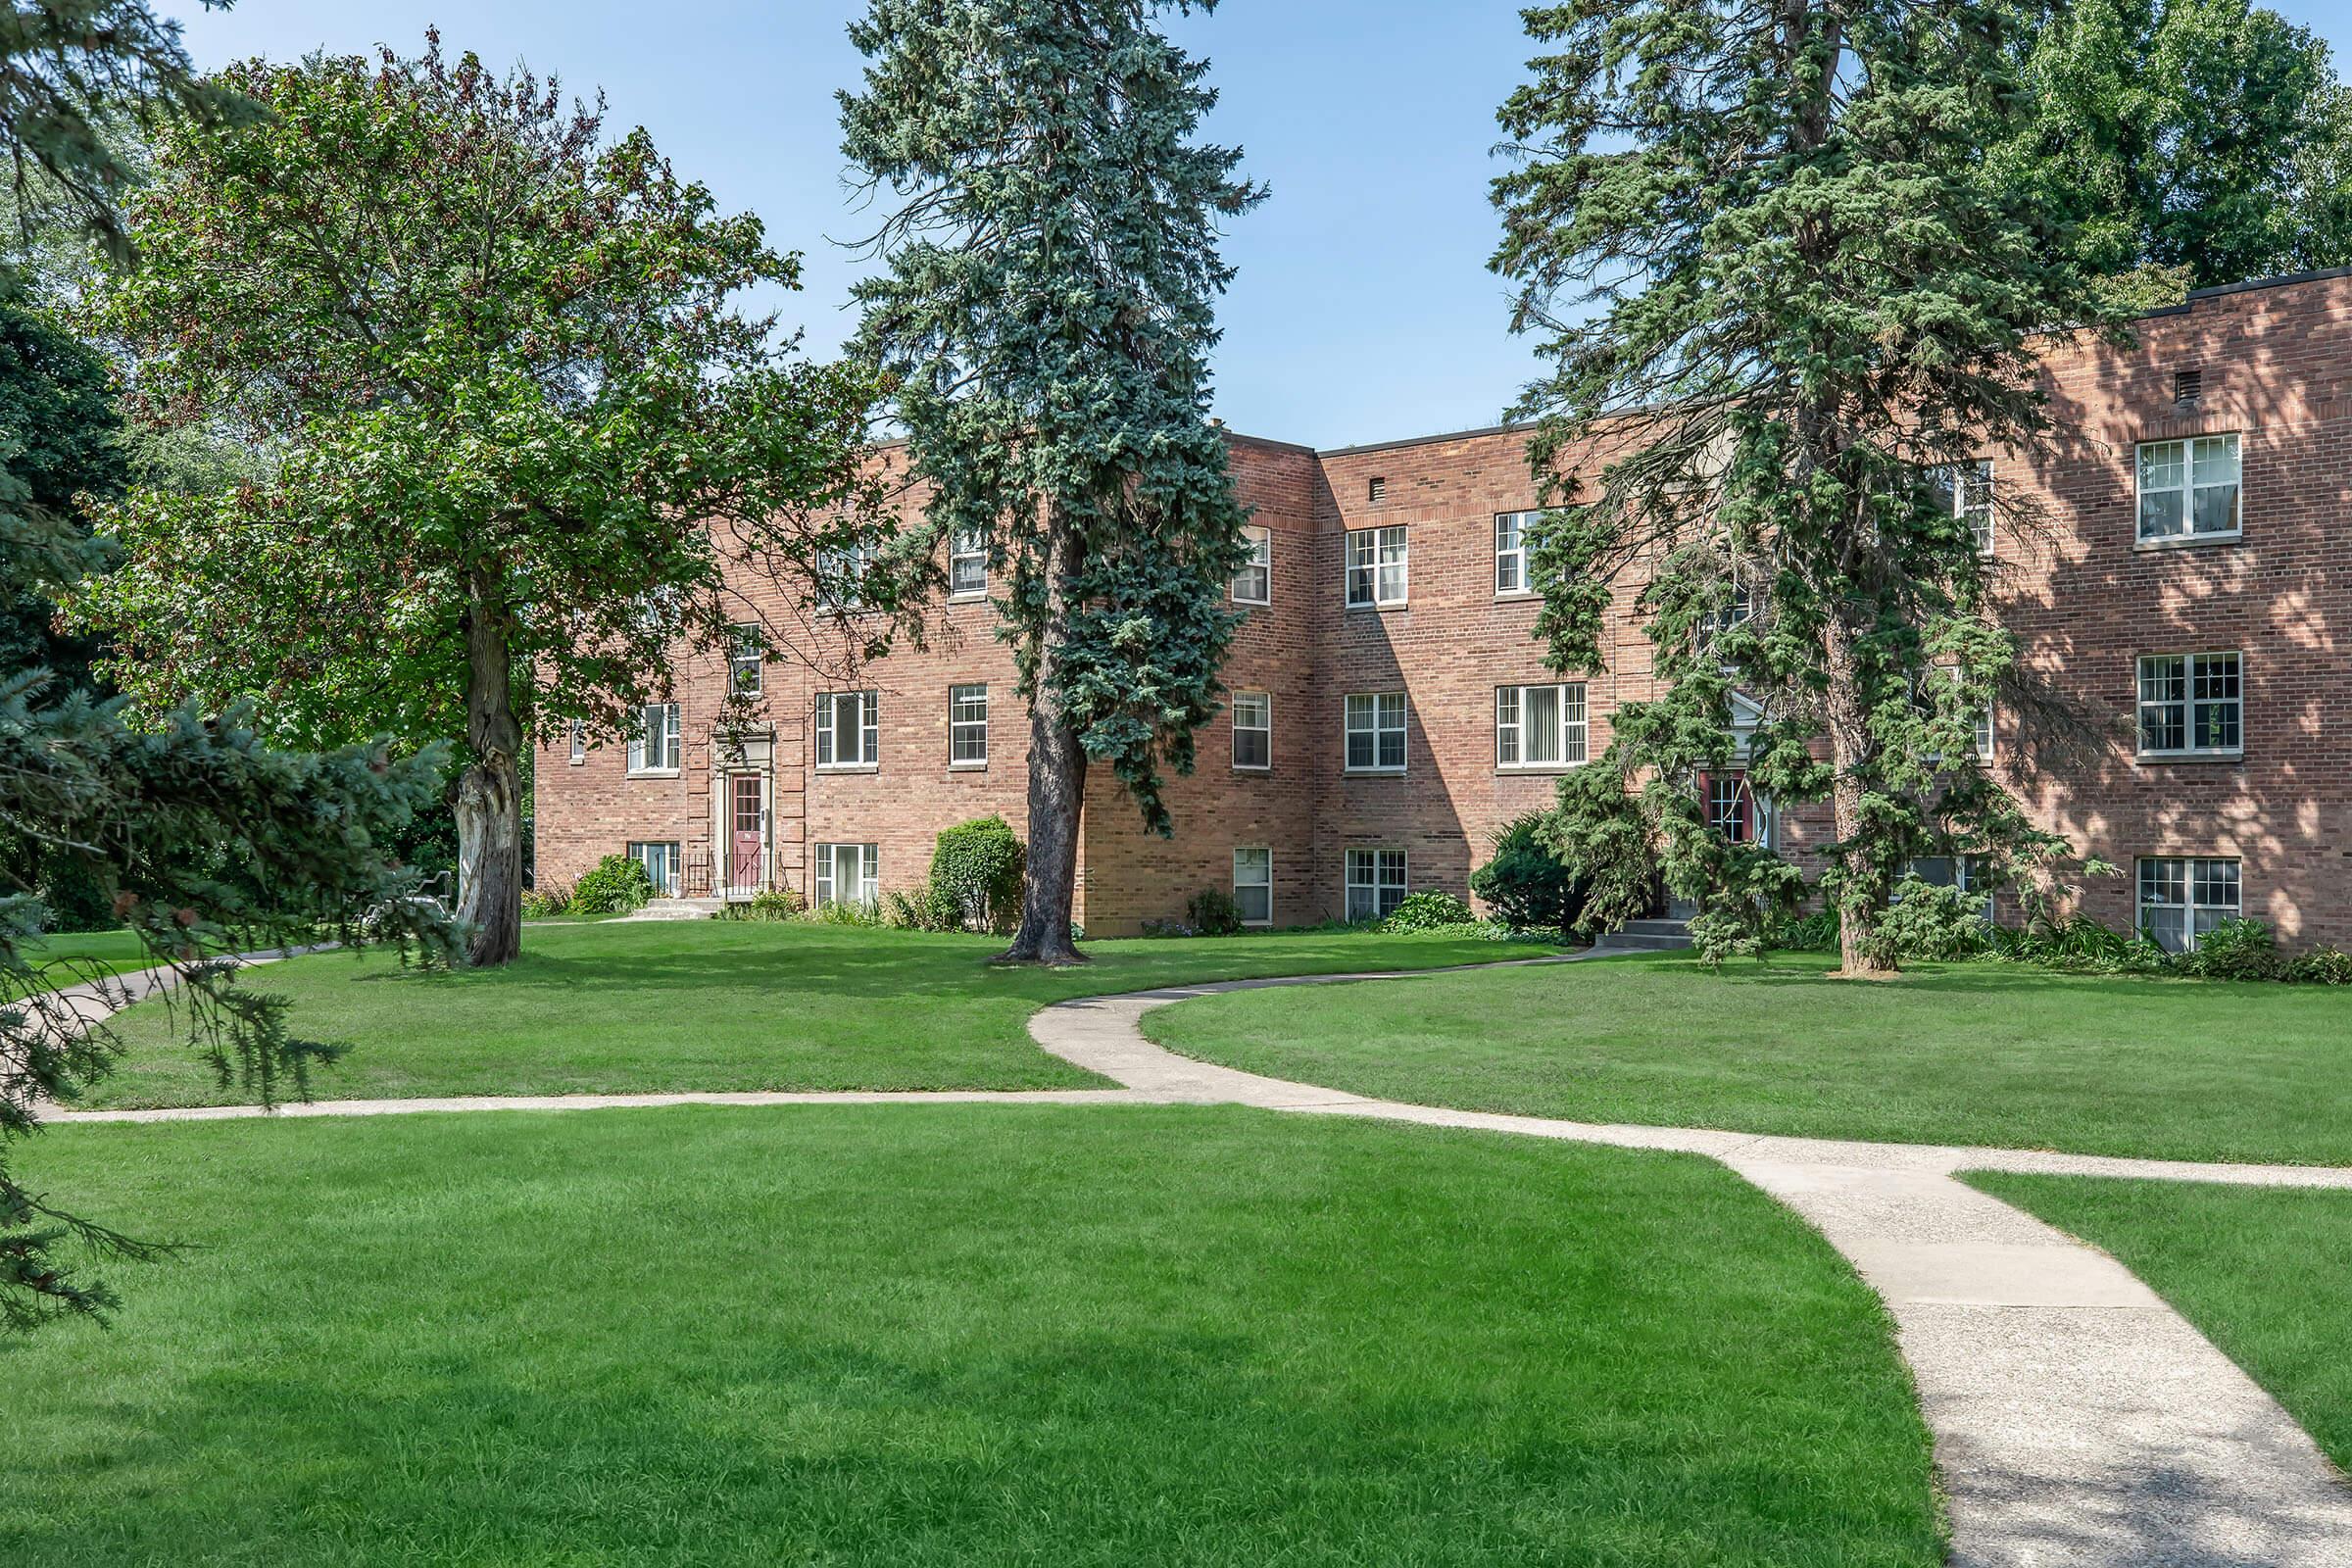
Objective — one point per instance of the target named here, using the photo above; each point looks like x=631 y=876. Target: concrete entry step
x=1649 y=936
x=679 y=909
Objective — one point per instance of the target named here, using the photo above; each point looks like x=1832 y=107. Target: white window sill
x=1505 y=596
x=967 y=768
x=1509 y=769
x=1372 y=772
x=980 y=596
x=655 y=772
x=848 y=768
x=2237 y=755
x=1386 y=603
x=2189 y=541
x=1253 y=768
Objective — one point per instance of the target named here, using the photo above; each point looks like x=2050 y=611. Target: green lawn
x=719 y=1005
x=82 y=954
x=1985 y=1054
x=950 y=1335
x=2264 y=1273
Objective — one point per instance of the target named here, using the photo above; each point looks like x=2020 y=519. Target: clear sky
x=1364 y=309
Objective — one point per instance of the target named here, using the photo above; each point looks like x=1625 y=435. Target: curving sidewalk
x=2080 y=1422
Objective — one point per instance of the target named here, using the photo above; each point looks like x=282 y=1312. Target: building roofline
x=2220 y=290
x=1420 y=440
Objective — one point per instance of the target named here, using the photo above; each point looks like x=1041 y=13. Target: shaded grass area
x=953 y=1335
x=1989 y=1054
x=2265 y=1273
x=720 y=1005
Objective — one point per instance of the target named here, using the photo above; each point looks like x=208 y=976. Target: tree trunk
x=1057 y=790
x=488 y=798
x=1848 y=715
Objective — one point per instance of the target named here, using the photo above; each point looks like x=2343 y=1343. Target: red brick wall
x=2276 y=366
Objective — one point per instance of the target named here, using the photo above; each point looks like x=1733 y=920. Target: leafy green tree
x=188 y=830
x=516 y=429
x=2204 y=141
x=1808 y=307
x=1046 y=317
x=58 y=408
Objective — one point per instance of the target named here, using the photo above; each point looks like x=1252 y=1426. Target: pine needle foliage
x=1782 y=305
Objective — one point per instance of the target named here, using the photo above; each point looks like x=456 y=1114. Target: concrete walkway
x=2079 y=1421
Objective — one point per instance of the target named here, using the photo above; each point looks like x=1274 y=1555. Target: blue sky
x=1363 y=309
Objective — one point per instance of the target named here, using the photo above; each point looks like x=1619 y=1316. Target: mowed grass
x=719 y=1005
x=1985 y=1054
x=2265 y=1273
x=78 y=957
x=950 y=1335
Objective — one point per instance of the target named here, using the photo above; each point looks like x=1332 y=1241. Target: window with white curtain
x=2189 y=489
x=849 y=729
x=657 y=745
x=1253 y=584
x=847 y=874
x=1253 y=885
x=1539 y=726
x=1376 y=563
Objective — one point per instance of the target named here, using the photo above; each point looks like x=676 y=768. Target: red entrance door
x=747 y=809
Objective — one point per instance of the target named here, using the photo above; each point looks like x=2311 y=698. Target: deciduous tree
x=1046 y=317
x=517 y=427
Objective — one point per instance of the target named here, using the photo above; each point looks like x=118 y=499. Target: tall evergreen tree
x=1808 y=307
x=190 y=830
x=1046 y=317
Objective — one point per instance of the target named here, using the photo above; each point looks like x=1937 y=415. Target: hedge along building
x=2184 y=584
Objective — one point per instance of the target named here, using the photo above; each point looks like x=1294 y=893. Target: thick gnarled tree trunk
x=1056 y=787
x=488 y=796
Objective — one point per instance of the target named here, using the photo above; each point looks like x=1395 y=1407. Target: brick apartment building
x=2188 y=585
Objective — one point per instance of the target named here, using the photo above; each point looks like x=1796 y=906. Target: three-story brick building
x=2179 y=563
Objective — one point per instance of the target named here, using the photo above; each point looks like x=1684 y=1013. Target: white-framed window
x=1510 y=552
x=1375 y=567
x=2189 y=489
x=849 y=729
x=847 y=874
x=1375 y=726
x=839 y=573
x=1925 y=703
x=2181 y=900
x=657 y=746
x=1253 y=584
x=1539 y=726
x=1985 y=729
x=1253 y=885
x=2190 y=705
x=579 y=742
x=1253 y=731
x=1734 y=808
x=747 y=662
x=967 y=727
x=1965 y=490
x=1376 y=883
x=661 y=862
x=968 y=563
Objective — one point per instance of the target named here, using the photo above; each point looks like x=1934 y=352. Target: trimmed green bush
x=769 y=905
x=617 y=886
x=1932 y=921
x=978 y=866
x=1214 y=914
x=1429 y=912
x=1528 y=885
